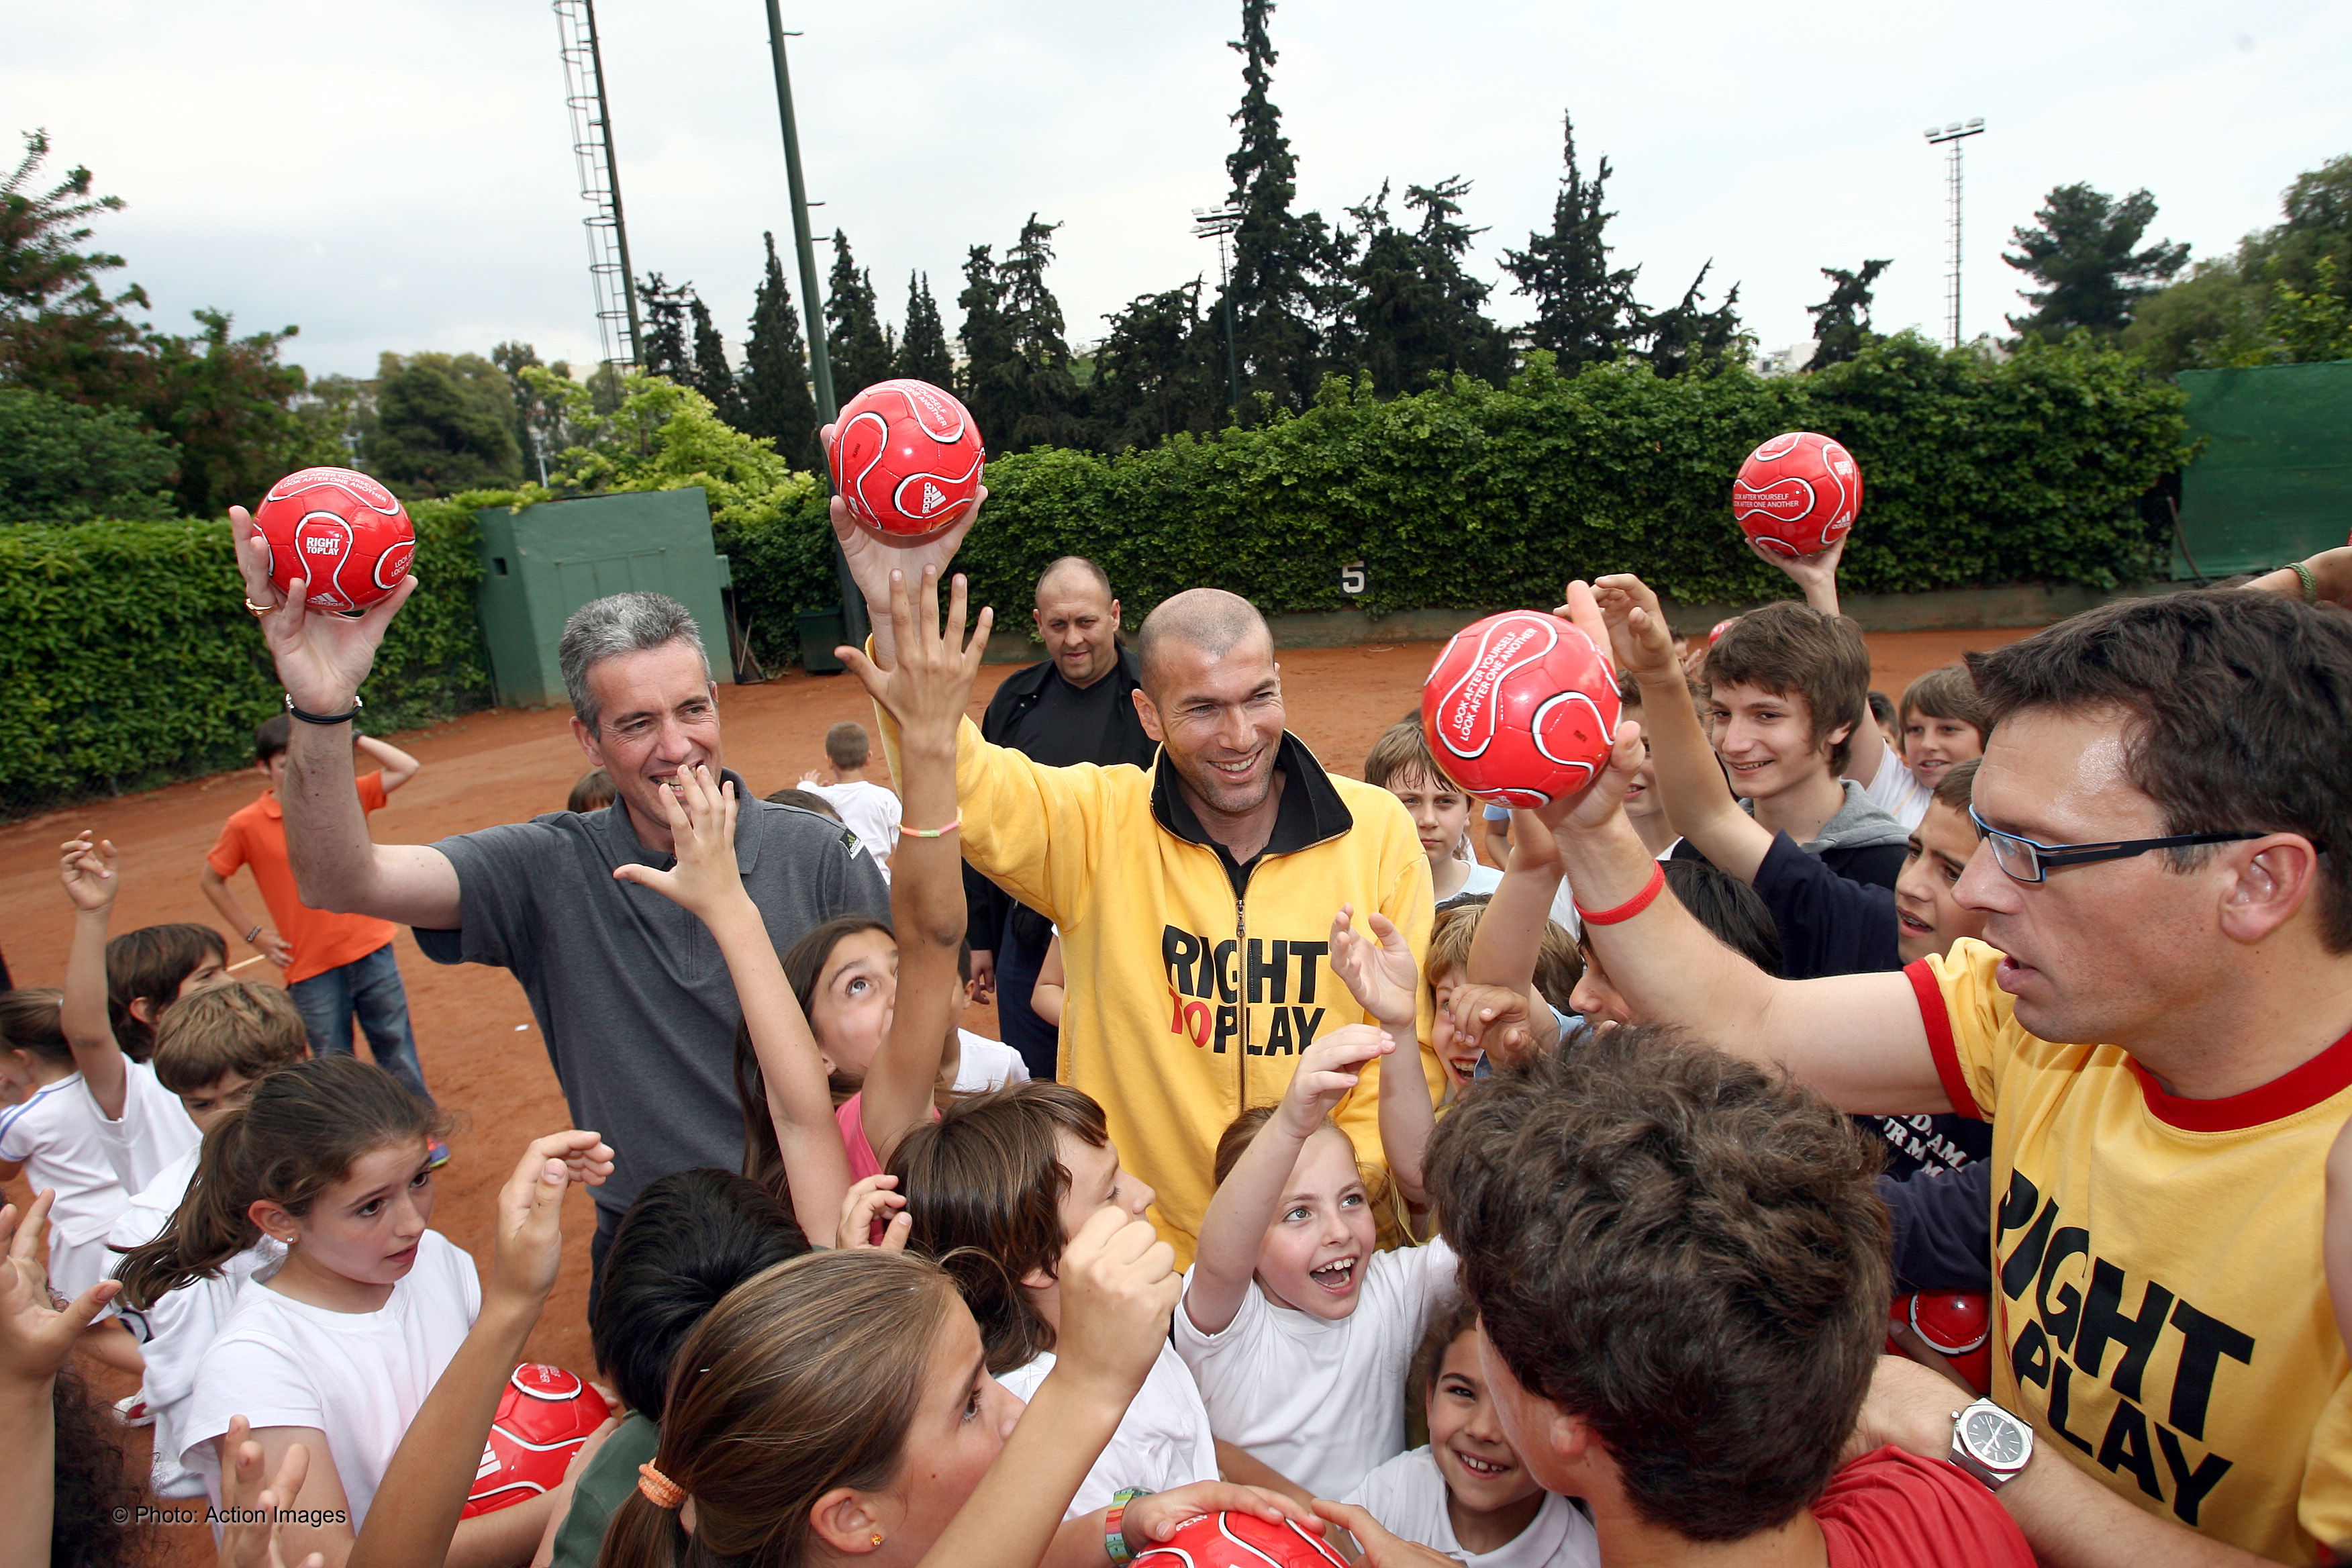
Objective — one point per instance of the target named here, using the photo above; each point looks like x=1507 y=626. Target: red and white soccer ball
x=1520 y=709
x=339 y=530
x=906 y=458
x=1956 y=1325
x=1239 y=1541
x=1797 y=494
x=544 y=1415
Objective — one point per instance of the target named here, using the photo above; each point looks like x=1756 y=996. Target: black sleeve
x=499 y=871
x=1828 y=924
x=1943 y=1229
x=983 y=903
x=1878 y=863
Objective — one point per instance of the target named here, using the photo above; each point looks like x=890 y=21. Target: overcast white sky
x=399 y=175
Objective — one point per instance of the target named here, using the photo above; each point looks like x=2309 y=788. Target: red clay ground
x=481 y=1052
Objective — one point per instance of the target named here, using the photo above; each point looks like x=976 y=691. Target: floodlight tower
x=600 y=183
x=1216 y=226
x=1953 y=135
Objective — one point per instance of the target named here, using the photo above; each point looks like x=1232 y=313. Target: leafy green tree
x=663 y=350
x=2082 y=251
x=777 y=402
x=1280 y=286
x=2296 y=326
x=1584 y=308
x=1841 y=322
x=1677 y=339
x=531 y=416
x=444 y=424
x=1040 y=384
x=1412 y=311
x=990 y=385
x=228 y=403
x=1160 y=371
x=854 y=341
x=60 y=328
x=711 y=376
x=68 y=462
x=2215 y=314
x=924 y=354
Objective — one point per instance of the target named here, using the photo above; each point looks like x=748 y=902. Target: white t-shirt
x=359 y=1377
x=1485 y=878
x=1162 y=1441
x=177 y=1329
x=1897 y=790
x=55 y=1132
x=982 y=1064
x=153 y=1131
x=1408 y=1495
x=1322 y=1402
x=871 y=812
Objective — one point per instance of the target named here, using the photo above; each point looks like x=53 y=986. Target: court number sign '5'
x=1351 y=578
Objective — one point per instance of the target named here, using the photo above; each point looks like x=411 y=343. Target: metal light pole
x=1217 y=224
x=854 y=623
x=1953 y=135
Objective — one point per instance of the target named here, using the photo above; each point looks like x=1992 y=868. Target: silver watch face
x=1995 y=1438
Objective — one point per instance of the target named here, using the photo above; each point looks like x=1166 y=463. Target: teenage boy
x=2159 y=796
x=867 y=808
x=1680 y=1268
x=340 y=968
x=1785 y=687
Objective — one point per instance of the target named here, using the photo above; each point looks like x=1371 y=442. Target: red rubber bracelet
x=1632 y=906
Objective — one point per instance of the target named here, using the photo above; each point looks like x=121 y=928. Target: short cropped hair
x=690 y=1237
x=619 y=623
x=2235 y=707
x=1949 y=692
x=846 y=745
x=239 y=1028
x=1735 y=913
x=1209 y=618
x=1791 y=650
x=1558 y=964
x=1079 y=564
x=592 y=791
x=148 y=964
x=1686 y=1252
x=806 y=799
x=1401 y=752
x=1955 y=791
x=274 y=735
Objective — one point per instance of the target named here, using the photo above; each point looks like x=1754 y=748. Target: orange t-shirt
x=255 y=836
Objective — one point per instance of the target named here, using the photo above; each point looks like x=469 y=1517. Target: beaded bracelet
x=939 y=832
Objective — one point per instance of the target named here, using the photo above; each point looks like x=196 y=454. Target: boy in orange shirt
x=339 y=968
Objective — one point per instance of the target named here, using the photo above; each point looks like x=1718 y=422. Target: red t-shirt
x=255 y=836
x=1893 y=1509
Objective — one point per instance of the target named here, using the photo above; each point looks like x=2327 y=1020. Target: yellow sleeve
x=1412 y=905
x=2325 y=1507
x=1971 y=1022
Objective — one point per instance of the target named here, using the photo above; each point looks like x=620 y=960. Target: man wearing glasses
x=2165 y=804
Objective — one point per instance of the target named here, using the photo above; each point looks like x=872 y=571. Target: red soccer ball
x=906 y=458
x=544 y=1416
x=1520 y=709
x=1239 y=1541
x=1797 y=494
x=1956 y=1325
x=345 y=533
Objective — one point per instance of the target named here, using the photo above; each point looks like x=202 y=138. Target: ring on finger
x=258 y=609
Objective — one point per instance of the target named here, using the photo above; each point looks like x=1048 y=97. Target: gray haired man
x=636 y=1009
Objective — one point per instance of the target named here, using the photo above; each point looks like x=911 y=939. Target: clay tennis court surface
x=482 y=1054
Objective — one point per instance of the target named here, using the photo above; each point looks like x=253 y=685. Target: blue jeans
x=368 y=991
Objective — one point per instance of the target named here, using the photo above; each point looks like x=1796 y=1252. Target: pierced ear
x=844 y=1522
x=273 y=1221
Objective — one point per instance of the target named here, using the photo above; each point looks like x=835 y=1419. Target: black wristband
x=325 y=718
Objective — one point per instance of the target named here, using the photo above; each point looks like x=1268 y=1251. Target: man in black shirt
x=1079 y=706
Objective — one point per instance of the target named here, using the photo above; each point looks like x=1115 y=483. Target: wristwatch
x=1991 y=1443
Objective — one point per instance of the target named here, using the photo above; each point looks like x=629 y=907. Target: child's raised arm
x=1379 y=973
x=1234 y=1227
x=88 y=871
x=701 y=813
x=927 y=690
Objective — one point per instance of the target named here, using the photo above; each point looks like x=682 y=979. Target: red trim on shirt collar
x=1936 y=1014
x=2322 y=1077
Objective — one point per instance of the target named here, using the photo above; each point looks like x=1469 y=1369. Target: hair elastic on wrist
x=2310 y=583
x=251 y=934
x=342 y=718
x=941 y=831
x=1632 y=906
x=658 y=1488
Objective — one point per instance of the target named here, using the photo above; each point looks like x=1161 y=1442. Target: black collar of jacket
x=1310 y=812
x=1020 y=691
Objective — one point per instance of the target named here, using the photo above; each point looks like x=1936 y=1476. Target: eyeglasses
x=2027 y=862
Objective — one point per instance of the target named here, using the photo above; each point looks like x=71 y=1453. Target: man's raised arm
x=322 y=661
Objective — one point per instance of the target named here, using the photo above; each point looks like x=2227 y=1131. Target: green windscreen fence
x=2274 y=482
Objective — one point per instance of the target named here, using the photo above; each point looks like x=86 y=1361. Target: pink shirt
x=850 y=1116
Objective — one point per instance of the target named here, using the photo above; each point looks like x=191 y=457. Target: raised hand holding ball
x=1521 y=708
x=1797 y=494
x=906 y=458
x=340 y=530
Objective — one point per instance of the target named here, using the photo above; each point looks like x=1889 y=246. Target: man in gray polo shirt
x=629 y=991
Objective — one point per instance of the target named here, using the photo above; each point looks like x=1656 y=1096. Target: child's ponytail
x=304 y=1129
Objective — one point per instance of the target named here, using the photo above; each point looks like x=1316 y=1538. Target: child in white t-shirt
x=1297 y=1329
x=996 y=1188
x=1467 y=1494
x=867 y=808
x=51 y=1136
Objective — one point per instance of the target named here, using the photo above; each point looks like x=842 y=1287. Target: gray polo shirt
x=631 y=994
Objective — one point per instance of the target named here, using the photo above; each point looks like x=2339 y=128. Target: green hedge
x=1470 y=496
x=127 y=658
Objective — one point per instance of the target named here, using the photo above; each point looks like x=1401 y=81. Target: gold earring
x=877 y=1541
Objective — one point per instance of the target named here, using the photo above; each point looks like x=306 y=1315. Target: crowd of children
x=1612 y=1295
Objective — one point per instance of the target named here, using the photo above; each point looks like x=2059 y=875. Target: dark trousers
x=1017 y=962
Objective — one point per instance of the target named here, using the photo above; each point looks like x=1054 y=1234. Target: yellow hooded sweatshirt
x=1195 y=983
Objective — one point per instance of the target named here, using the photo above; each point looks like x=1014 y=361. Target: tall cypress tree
x=1412 y=310
x=1040 y=381
x=777 y=402
x=1160 y=369
x=853 y=337
x=1584 y=308
x=1686 y=336
x=924 y=353
x=663 y=350
x=1280 y=284
x=712 y=377
x=1841 y=322
x=990 y=385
